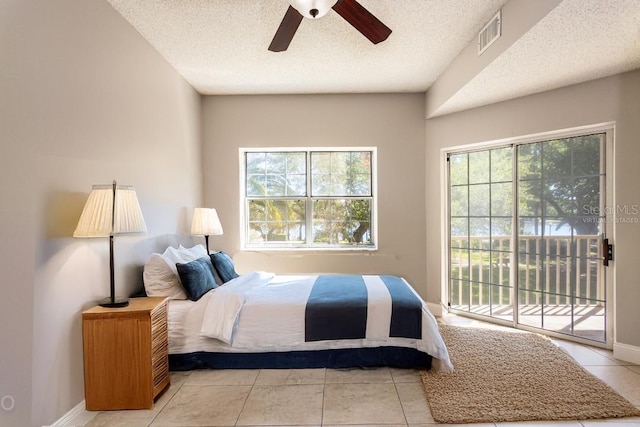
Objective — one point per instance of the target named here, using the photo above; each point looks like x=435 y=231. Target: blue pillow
x=224 y=266
x=196 y=277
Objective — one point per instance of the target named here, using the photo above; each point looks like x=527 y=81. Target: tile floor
x=328 y=397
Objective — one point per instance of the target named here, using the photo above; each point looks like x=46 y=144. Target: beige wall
x=393 y=123
x=612 y=99
x=83 y=100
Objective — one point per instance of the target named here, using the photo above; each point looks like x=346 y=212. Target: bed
x=264 y=320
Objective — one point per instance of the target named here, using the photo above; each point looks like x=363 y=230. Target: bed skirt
x=399 y=357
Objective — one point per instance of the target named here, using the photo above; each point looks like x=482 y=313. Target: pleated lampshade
x=102 y=217
x=206 y=222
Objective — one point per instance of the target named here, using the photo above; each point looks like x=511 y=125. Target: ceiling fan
x=352 y=11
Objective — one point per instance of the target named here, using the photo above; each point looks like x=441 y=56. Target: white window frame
x=267 y=247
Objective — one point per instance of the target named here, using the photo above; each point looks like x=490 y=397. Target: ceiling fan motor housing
x=313 y=8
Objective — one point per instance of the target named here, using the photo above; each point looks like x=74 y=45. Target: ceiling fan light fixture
x=313 y=9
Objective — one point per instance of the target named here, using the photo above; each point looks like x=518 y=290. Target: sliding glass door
x=560 y=215
x=481 y=224
x=526 y=228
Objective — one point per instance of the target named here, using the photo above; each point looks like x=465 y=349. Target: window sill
x=363 y=250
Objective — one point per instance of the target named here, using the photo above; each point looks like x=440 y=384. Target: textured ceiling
x=578 y=41
x=220 y=47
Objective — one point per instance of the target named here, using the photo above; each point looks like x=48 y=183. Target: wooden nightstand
x=126 y=362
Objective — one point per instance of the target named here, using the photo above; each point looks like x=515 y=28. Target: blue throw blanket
x=406 y=309
x=337 y=309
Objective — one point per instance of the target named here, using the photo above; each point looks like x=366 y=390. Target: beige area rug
x=515 y=376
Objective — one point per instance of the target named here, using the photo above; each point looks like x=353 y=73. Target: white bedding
x=261 y=312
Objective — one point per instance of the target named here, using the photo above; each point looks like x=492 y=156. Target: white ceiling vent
x=490 y=33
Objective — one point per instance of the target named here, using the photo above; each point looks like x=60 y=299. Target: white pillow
x=198 y=251
x=161 y=280
x=174 y=255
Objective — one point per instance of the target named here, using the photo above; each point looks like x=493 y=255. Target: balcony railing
x=551 y=270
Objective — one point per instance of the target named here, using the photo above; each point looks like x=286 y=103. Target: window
x=311 y=198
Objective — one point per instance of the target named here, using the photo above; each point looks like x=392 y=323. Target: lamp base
x=117 y=302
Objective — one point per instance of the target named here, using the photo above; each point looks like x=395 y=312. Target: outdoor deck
x=588 y=320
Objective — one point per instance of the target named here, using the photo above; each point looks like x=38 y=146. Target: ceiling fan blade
x=286 y=30
x=363 y=20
